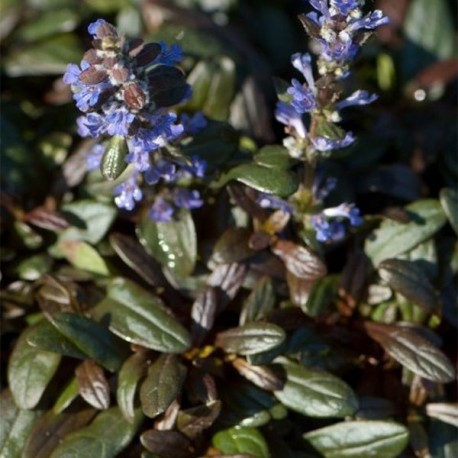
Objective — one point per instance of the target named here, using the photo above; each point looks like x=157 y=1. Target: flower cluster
x=125 y=88
x=310 y=110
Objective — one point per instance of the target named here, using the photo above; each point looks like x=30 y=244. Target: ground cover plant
x=229 y=229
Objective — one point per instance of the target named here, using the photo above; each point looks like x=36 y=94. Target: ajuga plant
x=174 y=290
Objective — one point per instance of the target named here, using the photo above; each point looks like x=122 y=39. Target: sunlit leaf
x=315 y=393
x=29 y=372
x=449 y=202
x=173 y=244
x=393 y=238
x=354 y=439
x=140 y=317
x=413 y=351
x=241 y=440
x=251 y=338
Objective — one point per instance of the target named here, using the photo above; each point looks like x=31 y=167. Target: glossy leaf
x=50 y=430
x=413 y=351
x=173 y=244
x=299 y=260
x=392 y=238
x=232 y=246
x=83 y=256
x=260 y=301
x=449 y=202
x=274 y=156
x=162 y=385
x=45 y=336
x=91 y=338
x=105 y=437
x=315 y=393
x=265 y=179
x=130 y=374
x=93 y=385
x=409 y=280
x=446 y=412
x=354 y=439
x=140 y=317
x=264 y=377
x=251 y=338
x=241 y=440
x=15 y=426
x=29 y=372
x=90 y=220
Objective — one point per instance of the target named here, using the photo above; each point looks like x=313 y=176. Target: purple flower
x=286 y=114
x=161 y=211
x=357 y=98
x=344 y=7
x=118 y=121
x=128 y=193
x=94 y=157
x=162 y=169
x=94 y=26
x=269 y=201
x=193 y=124
x=327 y=144
x=330 y=223
x=303 y=98
x=72 y=73
x=169 y=56
x=321 y=190
x=303 y=63
x=187 y=198
x=91 y=125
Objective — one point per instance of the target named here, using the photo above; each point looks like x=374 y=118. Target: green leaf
x=232 y=246
x=413 y=351
x=251 y=338
x=34 y=267
x=90 y=220
x=173 y=244
x=15 y=425
x=105 y=437
x=275 y=157
x=66 y=397
x=93 y=339
x=83 y=256
x=429 y=29
x=50 y=56
x=241 y=440
x=392 y=238
x=133 y=369
x=162 y=385
x=45 y=336
x=140 y=317
x=50 y=430
x=260 y=301
x=114 y=158
x=449 y=201
x=408 y=279
x=281 y=183
x=315 y=393
x=354 y=439
x=29 y=372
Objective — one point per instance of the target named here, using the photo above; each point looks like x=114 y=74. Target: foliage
x=264 y=315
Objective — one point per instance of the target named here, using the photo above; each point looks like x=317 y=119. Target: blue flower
x=345 y=7
x=327 y=144
x=161 y=211
x=357 y=98
x=118 y=121
x=128 y=193
x=187 y=198
x=162 y=169
x=91 y=125
x=269 y=201
x=303 y=63
x=287 y=114
x=94 y=156
x=94 y=26
x=193 y=124
x=169 y=56
x=72 y=73
x=321 y=190
x=303 y=98
x=330 y=223
x=88 y=96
